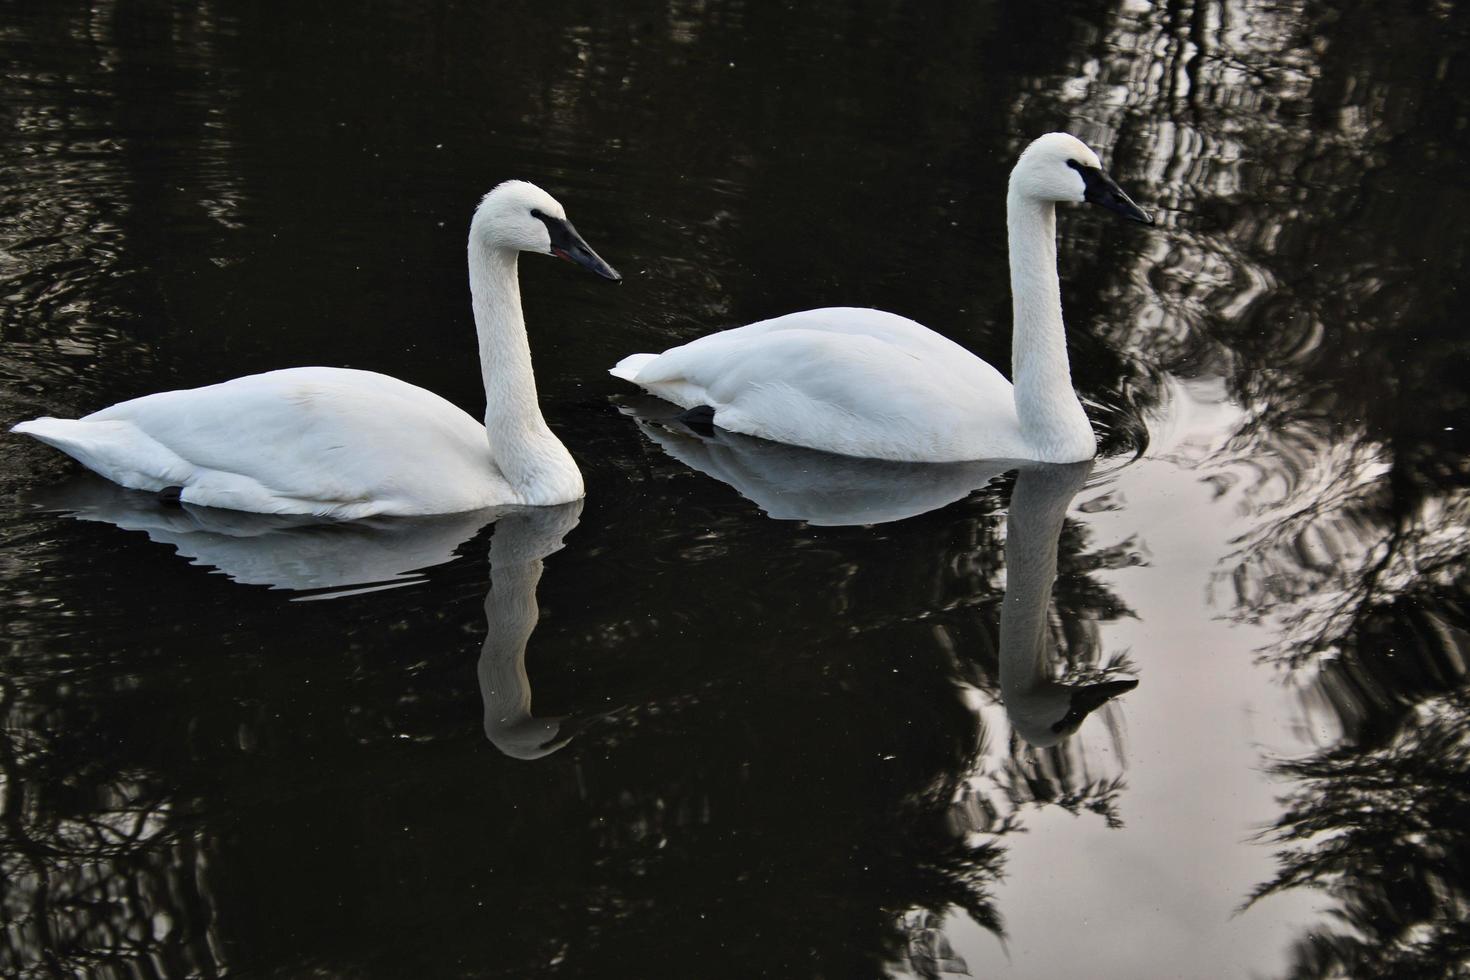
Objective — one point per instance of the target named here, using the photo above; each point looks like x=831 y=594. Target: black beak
x=1103 y=191
x=1090 y=697
x=567 y=244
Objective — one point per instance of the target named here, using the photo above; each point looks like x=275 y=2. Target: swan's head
x=1060 y=167
x=520 y=216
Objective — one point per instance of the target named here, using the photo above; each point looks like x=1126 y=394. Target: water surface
x=704 y=724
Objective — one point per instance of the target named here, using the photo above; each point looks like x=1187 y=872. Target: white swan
x=345 y=444
x=867 y=383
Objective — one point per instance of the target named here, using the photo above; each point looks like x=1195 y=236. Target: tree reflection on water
x=1313 y=161
x=812 y=803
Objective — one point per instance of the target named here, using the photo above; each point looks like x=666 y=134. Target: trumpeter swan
x=867 y=383
x=346 y=444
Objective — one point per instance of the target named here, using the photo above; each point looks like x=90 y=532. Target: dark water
x=736 y=745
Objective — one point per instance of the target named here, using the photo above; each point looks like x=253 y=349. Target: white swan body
x=856 y=382
x=872 y=384
x=346 y=444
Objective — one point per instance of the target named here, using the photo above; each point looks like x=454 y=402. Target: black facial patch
x=1098 y=185
x=1100 y=189
x=562 y=236
x=1076 y=165
x=567 y=244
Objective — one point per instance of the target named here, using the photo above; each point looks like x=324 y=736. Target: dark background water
x=785 y=754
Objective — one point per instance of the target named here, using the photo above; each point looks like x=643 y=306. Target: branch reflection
x=1310 y=162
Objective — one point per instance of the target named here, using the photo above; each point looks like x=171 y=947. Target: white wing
x=851 y=381
x=323 y=441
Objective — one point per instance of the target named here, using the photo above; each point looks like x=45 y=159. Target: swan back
x=856 y=382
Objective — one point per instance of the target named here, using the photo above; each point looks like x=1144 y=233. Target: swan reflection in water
x=326 y=558
x=333 y=559
x=1041 y=711
x=518 y=547
x=791 y=483
x=347 y=558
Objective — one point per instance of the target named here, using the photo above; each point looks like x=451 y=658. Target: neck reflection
x=334 y=559
x=518 y=546
x=1041 y=710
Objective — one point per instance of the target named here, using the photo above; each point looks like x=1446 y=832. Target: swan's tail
x=68 y=435
x=628 y=367
x=115 y=449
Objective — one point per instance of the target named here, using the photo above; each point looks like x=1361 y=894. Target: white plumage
x=867 y=383
x=314 y=440
x=852 y=381
x=339 y=443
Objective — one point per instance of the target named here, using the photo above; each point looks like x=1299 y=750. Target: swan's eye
x=1075 y=165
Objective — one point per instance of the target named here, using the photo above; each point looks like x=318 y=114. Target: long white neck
x=530 y=457
x=1053 y=423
